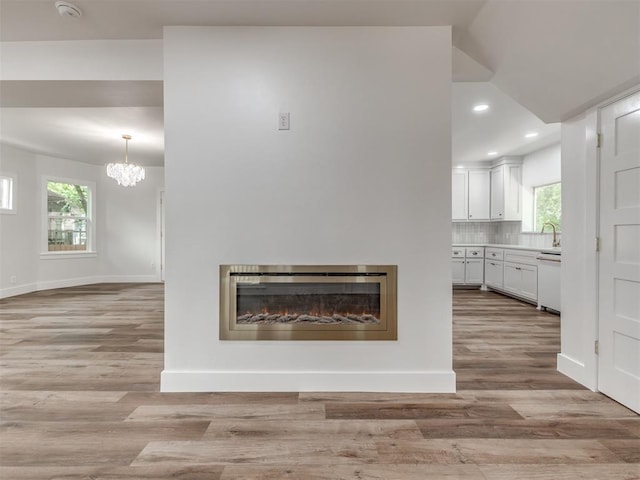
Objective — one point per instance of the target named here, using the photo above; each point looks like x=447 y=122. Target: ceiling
x=137 y=19
x=543 y=65
x=501 y=128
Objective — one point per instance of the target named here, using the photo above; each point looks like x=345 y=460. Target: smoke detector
x=68 y=9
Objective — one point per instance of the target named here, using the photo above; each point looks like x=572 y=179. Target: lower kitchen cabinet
x=457 y=270
x=494 y=274
x=521 y=280
x=467 y=265
x=474 y=271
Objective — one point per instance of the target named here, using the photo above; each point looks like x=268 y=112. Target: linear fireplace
x=308 y=302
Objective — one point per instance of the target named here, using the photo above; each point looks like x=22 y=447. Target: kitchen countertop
x=553 y=250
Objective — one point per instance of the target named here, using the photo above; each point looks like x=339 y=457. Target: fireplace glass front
x=268 y=302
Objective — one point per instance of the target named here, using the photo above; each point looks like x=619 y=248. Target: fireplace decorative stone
x=308 y=302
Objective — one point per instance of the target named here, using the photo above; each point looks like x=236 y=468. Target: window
x=547 y=206
x=7 y=194
x=68 y=217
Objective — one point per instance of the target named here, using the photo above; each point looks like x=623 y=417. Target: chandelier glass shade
x=126 y=174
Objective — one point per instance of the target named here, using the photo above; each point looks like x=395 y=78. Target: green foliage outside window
x=548 y=206
x=67 y=199
x=67 y=209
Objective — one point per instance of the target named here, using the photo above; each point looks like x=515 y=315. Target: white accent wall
x=360 y=178
x=127 y=228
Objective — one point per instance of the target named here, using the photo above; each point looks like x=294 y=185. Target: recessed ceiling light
x=531 y=135
x=481 y=107
x=492 y=153
x=68 y=9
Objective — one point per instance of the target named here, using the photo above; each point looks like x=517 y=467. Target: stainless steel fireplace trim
x=385 y=275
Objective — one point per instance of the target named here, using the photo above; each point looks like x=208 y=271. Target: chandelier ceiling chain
x=126 y=174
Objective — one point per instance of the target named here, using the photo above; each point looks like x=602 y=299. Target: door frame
x=161 y=234
x=634 y=91
x=580 y=323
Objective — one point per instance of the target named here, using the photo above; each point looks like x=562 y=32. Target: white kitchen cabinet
x=458 y=270
x=479 y=194
x=467 y=265
x=497 y=193
x=474 y=271
x=459 y=194
x=506 y=191
x=512 y=271
x=521 y=280
x=494 y=274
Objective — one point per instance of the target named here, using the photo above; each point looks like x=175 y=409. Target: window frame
x=90 y=251
x=534 y=189
x=13 y=208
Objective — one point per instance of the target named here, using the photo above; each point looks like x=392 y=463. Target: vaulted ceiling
x=554 y=58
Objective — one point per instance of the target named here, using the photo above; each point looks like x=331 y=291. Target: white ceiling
x=137 y=19
x=90 y=135
x=501 y=128
x=557 y=58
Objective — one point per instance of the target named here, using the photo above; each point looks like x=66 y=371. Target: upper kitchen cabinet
x=479 y=196
x=470 y=193
x=459 y=194
x=506 y=190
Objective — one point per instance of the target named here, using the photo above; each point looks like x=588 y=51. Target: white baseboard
x=17 y=290
x=130 y=279
x=575 y=370
x=268 y=381
x=67 y=282
x=76 y=282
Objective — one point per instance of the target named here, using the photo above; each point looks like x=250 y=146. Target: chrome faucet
x=556 y=242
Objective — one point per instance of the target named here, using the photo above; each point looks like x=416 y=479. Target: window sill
x=67 y=255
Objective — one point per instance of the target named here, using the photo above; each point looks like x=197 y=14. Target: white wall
x=82 y=60
x=541 y=167
x=579 y=259
x=127 y=228
x=19 y=232
x=359 y=179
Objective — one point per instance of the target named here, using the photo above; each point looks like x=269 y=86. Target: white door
x=619 y=264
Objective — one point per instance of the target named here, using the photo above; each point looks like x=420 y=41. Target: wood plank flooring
x=79 y=400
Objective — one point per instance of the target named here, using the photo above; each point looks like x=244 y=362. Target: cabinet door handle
x=518 y=268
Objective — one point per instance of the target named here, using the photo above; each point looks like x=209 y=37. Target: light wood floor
x=80 y=374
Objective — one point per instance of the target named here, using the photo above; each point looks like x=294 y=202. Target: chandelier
x=126 y=174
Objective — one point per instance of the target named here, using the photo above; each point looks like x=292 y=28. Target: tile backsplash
x=506 y=233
